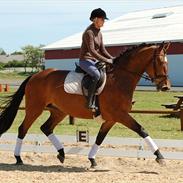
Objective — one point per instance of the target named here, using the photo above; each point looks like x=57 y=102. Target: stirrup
x=93 y=107
x=91 y=104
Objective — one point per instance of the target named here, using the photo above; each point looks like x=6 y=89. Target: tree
x=2 y=52
x=33 y=56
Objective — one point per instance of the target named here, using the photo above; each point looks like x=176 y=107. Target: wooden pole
x=7 y=88
x=71 y=120
x=181 y=118
x=1 y=88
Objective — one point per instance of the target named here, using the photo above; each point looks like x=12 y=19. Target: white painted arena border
x=38 y=143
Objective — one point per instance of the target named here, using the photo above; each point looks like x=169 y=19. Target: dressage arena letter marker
x=83 y=136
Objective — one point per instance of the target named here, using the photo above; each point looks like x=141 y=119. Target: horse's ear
x=166 y=46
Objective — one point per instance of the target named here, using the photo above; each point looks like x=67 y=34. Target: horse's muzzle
x=165 y=88
x=164 y=85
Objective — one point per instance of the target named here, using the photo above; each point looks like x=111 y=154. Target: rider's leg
x=91 y=93
x=89 y=67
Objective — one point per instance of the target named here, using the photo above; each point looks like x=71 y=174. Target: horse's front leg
x=104 y=129
x=132 y=124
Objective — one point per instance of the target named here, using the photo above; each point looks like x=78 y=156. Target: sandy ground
x=46 y=168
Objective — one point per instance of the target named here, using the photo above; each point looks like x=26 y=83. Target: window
x=161 y=15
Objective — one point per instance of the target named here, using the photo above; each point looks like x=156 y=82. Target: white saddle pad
x=72 y=83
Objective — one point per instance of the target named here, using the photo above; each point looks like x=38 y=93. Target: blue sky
x=36 y=22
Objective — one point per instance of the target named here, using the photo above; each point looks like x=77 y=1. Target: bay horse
x=46 y=90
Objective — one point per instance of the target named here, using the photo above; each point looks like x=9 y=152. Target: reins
x=145 y=76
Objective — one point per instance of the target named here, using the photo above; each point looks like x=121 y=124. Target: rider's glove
x=110 y=61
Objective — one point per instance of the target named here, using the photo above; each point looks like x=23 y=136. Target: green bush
x=14 y=63
x=1 y=66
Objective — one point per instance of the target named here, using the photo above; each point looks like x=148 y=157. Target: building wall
x=175 y=63
x=65 y=60
x=71 y=53
x=176 y=69
x=62 y=64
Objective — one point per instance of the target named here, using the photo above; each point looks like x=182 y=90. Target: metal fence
x=112 y=146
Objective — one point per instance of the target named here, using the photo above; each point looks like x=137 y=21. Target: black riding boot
x=91 y=94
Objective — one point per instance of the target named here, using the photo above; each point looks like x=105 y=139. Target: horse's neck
x=130 y=73
x=141 y=60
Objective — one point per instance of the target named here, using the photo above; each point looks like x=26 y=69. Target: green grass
x=153 y=100
x=14 y=75
x=158 y=126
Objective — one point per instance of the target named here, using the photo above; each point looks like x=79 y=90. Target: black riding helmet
x=99 y=13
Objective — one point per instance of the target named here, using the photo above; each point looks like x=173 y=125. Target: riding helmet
x=99 y=13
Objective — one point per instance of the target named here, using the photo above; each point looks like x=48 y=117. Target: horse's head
x=158 y=68
x=149 y=58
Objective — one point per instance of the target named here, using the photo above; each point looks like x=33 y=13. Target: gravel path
x=46 y=168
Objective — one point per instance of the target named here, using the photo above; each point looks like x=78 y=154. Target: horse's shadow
x=148 y=172
x=47 y=169
x=41 y=168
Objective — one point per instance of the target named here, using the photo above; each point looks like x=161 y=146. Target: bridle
x=156 y=75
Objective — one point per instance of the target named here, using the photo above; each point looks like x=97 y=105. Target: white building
x=148 y=26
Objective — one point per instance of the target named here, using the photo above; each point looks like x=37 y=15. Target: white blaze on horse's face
x=158 y=70
x=166 y=60
x=163 y=83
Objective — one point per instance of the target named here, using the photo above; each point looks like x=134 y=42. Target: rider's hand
x=110 y=61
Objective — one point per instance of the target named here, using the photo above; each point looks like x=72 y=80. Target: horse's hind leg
x=30 y=117
x=48 y=127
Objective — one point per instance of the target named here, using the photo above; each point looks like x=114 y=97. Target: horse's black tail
x=10 y=109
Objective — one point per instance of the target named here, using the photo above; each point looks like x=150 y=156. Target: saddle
x=86 y=81
x=78 y=81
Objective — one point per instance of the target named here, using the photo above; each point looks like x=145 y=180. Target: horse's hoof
x=93 y=163
x=19 y=163
x=19 y=160
x=61 y=158
x=161 y=161
x=93 y=167
x=98 y=169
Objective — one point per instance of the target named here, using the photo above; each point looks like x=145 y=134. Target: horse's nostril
x=165 y=88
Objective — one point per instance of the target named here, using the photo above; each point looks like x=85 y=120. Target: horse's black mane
x=126 y=53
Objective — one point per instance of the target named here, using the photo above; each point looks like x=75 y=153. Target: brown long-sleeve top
x=92 y=46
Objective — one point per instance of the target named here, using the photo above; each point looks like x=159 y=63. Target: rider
x=93 y=50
